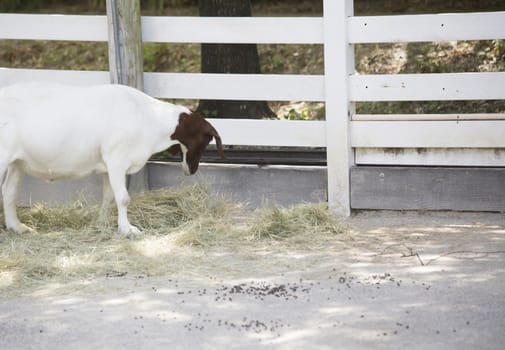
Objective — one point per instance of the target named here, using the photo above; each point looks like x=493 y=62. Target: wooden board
x=252 y=87
x=424 y=188
x=338 y=66
x=10 y=76
x=255 y=30
x=433 y=27
x=283 y=30
x=484 y=157
x=428 y=134
x=427 y=87
x=53 y=27
x=428 y=117
x=294 y=133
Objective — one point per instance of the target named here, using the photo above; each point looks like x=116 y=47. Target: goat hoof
x=130 y=231
x=20 y=228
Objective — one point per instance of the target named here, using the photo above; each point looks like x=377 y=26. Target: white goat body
x=53 y=131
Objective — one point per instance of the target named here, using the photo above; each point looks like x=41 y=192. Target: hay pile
x=70 y=245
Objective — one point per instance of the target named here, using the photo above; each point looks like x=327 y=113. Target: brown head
x=194 y=134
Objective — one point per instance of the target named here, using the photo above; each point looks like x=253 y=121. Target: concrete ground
x=398 y=281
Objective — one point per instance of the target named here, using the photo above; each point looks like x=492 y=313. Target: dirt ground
x=395 y=281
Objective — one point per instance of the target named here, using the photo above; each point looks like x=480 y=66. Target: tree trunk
x=230 y=58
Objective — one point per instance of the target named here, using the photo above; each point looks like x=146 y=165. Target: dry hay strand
x=69 y=243
x=168 y=209
x=308 y=220
x=180 y=227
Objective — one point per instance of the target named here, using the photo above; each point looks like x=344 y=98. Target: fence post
x=338 y=65
x=126 y=64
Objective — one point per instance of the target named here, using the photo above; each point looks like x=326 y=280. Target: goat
x=53 y=131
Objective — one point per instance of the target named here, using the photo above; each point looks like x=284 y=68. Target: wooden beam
x=291 y=133
x=126 y=59
x=233 y=30
x=468 y=157
x=428 y=117
x=10 y=76
x=252 y=87
x=426 y=134
x=338 y=65
x=433 y=27
x=428 y=87
x=52 y=27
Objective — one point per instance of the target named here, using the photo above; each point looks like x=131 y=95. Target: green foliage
x=17 y=5
x=171 y=57
x=498 y=50
x=96 y=4
x=304 y=114
x=54 y=54
x=385 y=7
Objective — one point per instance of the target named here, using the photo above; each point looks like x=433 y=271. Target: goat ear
x=212 y=132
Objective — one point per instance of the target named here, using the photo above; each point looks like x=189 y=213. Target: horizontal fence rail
x=435 y=134
x=260 y=30
x=295 y=133
x=286 y=87
x=254 y=30
x=233 y=30
x=53 y=27
x=451 y=157
x=438 y=27
x=428 y=87
x=430 y=117
x=190 y=85
x=270 y=87
x=10 y=76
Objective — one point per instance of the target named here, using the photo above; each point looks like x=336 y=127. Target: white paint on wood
x=428 y=87
x=53 y=27
x=480 y=157
x=286 y=30
x=435 y=27
x=271 y=132
x=338 y=58
x=9 y=76
x=270 y=87
x=428 y=117
x=238 y=30
x=428 y=134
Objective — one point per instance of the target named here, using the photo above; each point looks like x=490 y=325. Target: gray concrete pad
x=398 y=281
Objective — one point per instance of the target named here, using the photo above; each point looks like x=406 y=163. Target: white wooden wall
x=350 y=139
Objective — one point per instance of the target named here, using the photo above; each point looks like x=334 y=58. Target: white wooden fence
x=464 y=139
